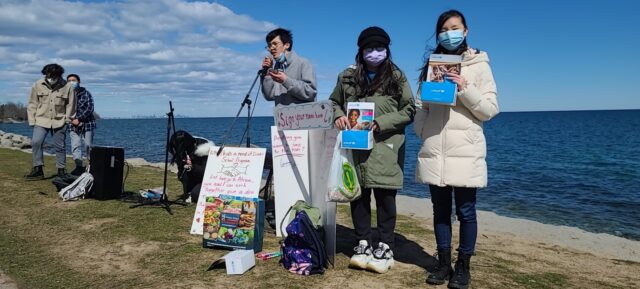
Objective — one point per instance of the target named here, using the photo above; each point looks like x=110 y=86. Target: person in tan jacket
x=51 y=107
x=452 y=156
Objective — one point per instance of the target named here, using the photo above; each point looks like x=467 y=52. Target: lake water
x=578 y=169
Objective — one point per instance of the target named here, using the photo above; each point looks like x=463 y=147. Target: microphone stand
x=164 y=201
x=247 y=101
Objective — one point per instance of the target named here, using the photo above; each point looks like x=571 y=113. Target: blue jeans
x=37 y=141
x=77 y=140
x=465 y=199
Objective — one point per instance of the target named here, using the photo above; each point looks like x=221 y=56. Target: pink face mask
x=374 y=56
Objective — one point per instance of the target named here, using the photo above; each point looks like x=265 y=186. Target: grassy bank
x=45 y=243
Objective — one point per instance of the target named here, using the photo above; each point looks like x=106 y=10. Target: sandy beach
x=603 y=245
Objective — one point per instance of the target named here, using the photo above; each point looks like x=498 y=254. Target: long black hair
x=439 y=49
x=385 y=80
x=181 y=144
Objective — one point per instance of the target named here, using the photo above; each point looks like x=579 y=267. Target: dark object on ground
x=63 y=181
x=107 y=166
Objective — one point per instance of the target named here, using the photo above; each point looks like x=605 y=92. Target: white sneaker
x=382 y=259
x=362 y=255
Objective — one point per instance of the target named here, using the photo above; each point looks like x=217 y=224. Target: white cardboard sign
x=321 y=145
x=235 y=172
x=290 y=150
x=313 y=115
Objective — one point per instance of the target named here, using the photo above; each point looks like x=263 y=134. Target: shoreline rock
x=11 y=120
x=11 y=140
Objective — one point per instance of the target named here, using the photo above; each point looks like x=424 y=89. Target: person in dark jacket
x=375 y=78
x=190 y=155
x=83 y=125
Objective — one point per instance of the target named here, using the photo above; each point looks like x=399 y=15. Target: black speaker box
x=107 y=164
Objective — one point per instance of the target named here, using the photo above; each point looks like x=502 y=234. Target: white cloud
x=130 y=52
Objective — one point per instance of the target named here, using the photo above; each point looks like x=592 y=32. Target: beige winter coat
x=51 y=107
x=454 y=149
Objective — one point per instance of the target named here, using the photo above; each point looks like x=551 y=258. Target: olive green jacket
x=51 y=107
x=381 y=167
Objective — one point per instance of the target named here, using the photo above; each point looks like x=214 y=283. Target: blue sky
x=134 y=56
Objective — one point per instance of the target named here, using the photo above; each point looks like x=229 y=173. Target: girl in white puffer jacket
x=452 y=156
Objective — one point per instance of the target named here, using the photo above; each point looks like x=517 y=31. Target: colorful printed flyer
x=360 y=116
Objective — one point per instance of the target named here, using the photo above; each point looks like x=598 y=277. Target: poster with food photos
x=236 y=172
x=233 y=222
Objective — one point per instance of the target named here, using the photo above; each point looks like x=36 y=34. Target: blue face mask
x=74 y=84
x=281 y=57
x=451 y=39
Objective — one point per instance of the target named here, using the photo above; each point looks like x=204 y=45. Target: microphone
x=265 y=69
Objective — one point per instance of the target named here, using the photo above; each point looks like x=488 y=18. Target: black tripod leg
x=164 y=199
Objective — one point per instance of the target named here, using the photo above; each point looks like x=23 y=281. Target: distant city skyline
x=135 y=56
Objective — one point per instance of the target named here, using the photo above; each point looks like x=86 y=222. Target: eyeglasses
x=273 y=44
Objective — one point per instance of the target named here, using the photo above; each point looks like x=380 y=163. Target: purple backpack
x=303 y=251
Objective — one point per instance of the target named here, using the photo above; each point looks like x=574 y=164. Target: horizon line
x=511 y=111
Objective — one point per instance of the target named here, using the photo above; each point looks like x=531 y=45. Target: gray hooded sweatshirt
x=300 y=86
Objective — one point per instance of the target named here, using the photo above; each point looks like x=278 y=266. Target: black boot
x=462 y=274
x=35 y=174
x=62 y=172
x=444 y=271
x=79 y=168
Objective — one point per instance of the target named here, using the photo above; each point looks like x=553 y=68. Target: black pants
x=191 y=186
x=386 y=213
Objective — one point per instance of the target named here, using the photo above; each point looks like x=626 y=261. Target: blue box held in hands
x=360 y=116
x=437 y=88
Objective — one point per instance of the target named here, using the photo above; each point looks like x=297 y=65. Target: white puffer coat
x=453 y=145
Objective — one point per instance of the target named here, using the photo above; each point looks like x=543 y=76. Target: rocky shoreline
x=23 y=143
x=15 y=141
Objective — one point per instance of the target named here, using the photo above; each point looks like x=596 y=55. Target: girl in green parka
x=375 y=78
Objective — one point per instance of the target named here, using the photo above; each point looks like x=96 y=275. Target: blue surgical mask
x=281 y=57
x=451 y=39
x=74 y=84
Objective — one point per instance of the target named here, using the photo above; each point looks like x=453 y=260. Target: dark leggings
x=465 y=199
x=386 y=215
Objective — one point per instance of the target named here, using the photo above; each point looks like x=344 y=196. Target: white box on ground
x=239 y=261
